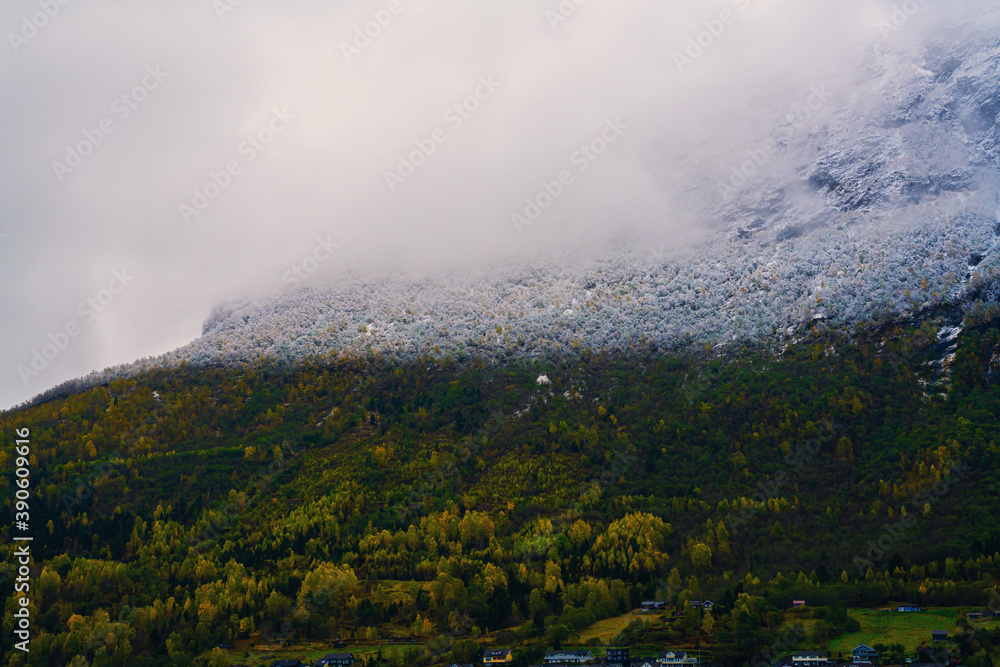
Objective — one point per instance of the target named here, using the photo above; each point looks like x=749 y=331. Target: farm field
x=911 y=629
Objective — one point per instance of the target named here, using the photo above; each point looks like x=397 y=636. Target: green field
x=911 y=629
x=609 y=628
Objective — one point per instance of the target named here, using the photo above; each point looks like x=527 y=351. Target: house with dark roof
x=863 y=653
x=939 y=635
x=335 y=659
x=652 y=605
x=617 y=657
x=935 y=654
x=498 y=656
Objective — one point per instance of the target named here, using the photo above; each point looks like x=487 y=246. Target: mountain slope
x=185 y=507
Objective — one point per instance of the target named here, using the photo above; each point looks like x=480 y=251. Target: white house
x=809 y=659
x=567 y=657
x=677 y=659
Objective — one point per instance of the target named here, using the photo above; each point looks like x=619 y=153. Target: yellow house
x=499 y=656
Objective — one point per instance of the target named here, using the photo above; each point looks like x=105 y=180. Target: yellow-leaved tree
x=632 y=546
x=326 y=587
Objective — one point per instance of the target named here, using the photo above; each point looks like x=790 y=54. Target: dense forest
x=469 y=505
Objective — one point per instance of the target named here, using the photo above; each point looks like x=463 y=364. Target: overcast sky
x=114 y=116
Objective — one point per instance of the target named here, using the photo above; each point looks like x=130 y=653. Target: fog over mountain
x=484 y=180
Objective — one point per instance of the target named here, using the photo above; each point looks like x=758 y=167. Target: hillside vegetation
x=518 y=504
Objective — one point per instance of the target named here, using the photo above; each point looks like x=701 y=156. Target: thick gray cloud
x=158 y=99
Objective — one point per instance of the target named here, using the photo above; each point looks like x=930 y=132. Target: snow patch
x=948 y=334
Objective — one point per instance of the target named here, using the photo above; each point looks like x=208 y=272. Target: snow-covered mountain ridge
x=887 y=208
x=884 y=208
